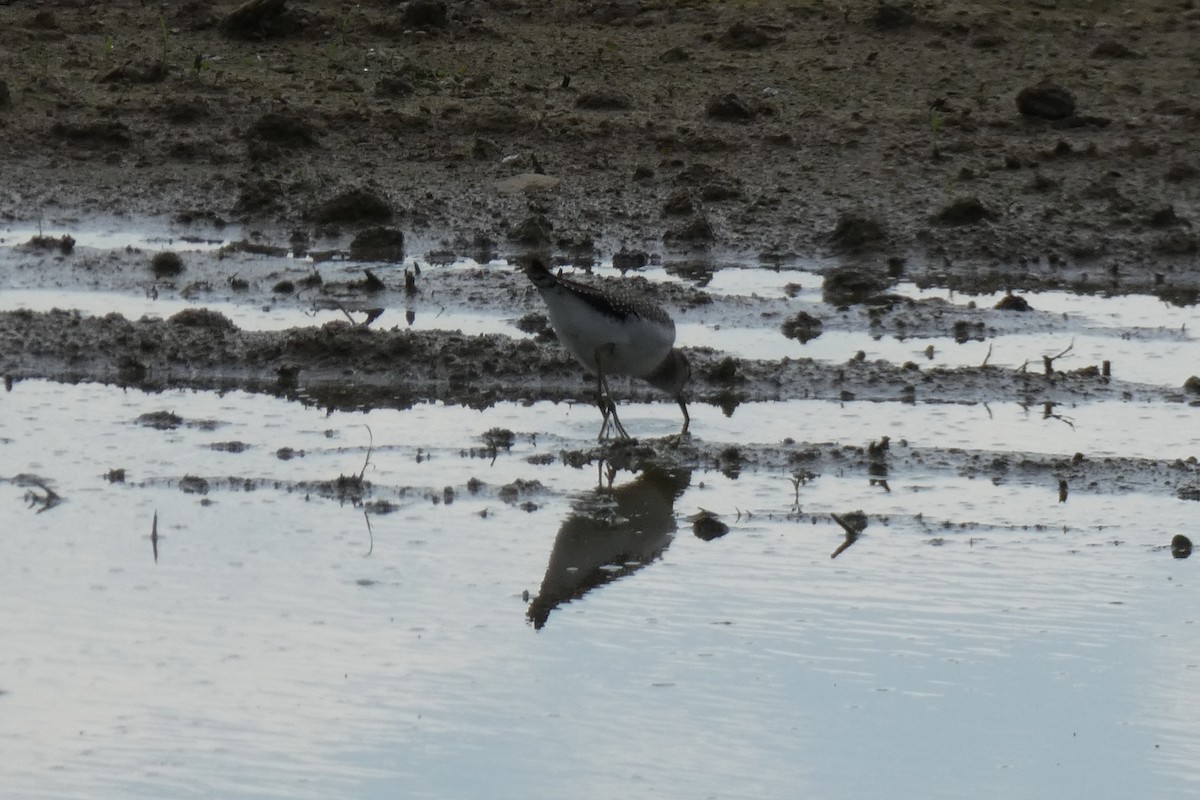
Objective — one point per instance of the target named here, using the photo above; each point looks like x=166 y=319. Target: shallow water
x=984 y=634
x=455 y=633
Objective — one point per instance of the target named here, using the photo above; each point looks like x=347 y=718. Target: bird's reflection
x=610 y=533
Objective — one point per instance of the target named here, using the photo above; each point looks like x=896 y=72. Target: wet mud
x=974 y=146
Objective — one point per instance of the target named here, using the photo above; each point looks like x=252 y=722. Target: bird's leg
x=687 y=419
x=608 y=408
x=604 y=404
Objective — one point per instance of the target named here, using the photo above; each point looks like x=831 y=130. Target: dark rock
x=803 y=326
x=1192 y=385
x=1181 y=546
x=1046 y=101
x=963 y=211
x=425 y=14
x=603 y=101
x=284 y=287
x=378 y=244
x=283 y=128
x=855 y=232
x=729 y=107
x=166 y=263
x=1111 y=48
x=675 y=55
x=352 y=206
x=193 y=484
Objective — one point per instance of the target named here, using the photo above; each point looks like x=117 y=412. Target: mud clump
x=891 y=17
x=699 y=231
x=1013 y=302
x=261 y=19
x=741 y=36
x=1046 y=101
x=803 y=327
x=533 y=231
x=378 y=244
x=64 y=244
x=166 y=264
x=103 y=133
x=283 y=128
x=856 y=232
x=963 y=211
x=258 y=197
x=847 y=286
x=352 y=206
x=202 y=319
x=425 y=14
x=160 y=420
x=603 y=101
x=729 y=108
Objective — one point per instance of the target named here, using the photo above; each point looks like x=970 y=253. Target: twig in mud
x=989 y=355
x=370 y=446
x=47 y=501
x=154 y=536
x=370 y=534
x=1048 y=413
x=853 y=524
x=1048 y=361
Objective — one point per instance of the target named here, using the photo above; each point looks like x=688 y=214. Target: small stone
x=1181 y=546
x=1192 y=385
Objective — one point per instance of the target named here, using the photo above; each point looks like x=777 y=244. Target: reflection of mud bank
x=346 y=367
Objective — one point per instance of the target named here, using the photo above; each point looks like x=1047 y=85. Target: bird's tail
x=541 y=277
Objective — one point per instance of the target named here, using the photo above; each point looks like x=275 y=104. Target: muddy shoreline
x=864 y=131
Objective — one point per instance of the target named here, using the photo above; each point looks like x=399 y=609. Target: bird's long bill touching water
x=614 y=332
